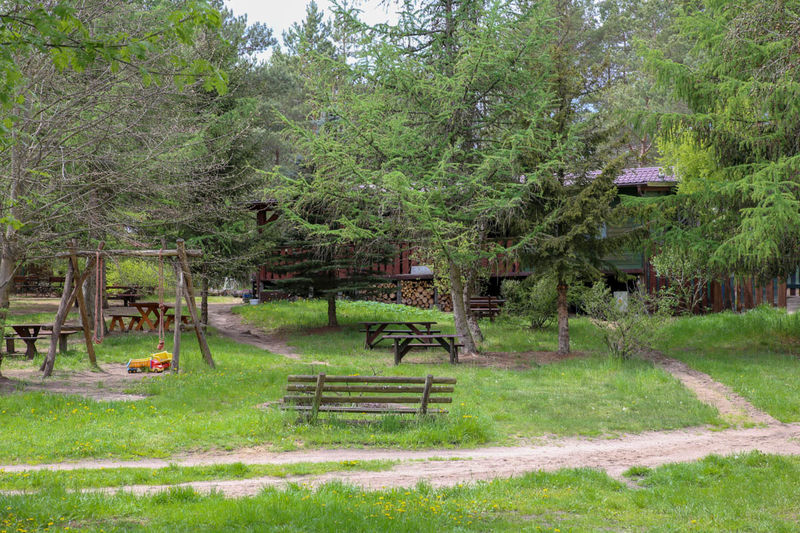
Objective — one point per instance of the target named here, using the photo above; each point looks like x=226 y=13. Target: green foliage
x=740 y=83
x=533 y=298
x=58 y=31
x=629 y=327
x=138 y=272
x=689 y=274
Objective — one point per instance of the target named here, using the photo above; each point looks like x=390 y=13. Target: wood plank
x=362 y=399
x=398 y=389
x=303 y=378
x=131 y=253
x=363 y=410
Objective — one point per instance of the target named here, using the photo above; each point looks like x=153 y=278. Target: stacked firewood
x=388 y=297
x=445 y=302
x=418 y=293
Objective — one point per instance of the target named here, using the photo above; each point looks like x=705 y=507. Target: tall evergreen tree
x=740 y=200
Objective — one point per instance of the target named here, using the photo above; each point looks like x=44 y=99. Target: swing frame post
x=82 y=303
x=176 y=339
x=68 y=297
x=191 y=306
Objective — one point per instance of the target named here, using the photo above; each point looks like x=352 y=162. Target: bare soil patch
x=516 y=360
x=109 y=385
x=25 y=306
x=230 y=325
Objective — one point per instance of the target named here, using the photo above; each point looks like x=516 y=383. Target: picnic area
x=399 y=266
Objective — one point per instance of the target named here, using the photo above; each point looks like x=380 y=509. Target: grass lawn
x=750 y=492
x=756 y=353
x=203 y=409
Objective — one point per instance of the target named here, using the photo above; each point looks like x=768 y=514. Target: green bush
x=533 y=298
x=628 y=327
x=139 y=272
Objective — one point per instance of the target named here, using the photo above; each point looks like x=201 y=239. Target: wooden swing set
x=73 y=291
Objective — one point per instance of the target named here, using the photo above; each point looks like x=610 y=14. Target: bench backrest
x=327 y=390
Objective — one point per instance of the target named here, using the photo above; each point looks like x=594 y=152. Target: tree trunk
x=332 y=310
x=472 y=320
x=563 y=319
x=459 y=313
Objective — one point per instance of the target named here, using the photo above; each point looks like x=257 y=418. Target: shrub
x=688 y=272
x=534 y=298
x=628 y=328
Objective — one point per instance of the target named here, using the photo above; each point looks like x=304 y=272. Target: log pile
x=388 y=297
x=445 y=303
x=418 y=293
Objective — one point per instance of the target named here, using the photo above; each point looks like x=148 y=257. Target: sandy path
x=230 y=325
x=451 y=467
x=733 y=408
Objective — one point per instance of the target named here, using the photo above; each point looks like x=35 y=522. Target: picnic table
x=127 y=293
x=145 y=310
x=30 y=333
x=403 y=344
x=376 y=331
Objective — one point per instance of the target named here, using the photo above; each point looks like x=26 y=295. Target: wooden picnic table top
x=26 y=328
x=425 y=322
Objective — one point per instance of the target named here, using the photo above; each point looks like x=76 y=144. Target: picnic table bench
x=30 y=333
x=314 y=394
x=403 y=343
x=118 y=316
x=376 y=331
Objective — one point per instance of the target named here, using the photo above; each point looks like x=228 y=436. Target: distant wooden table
x=376 y=331
x=405 y=342
x=148 y=309
x=30 y=333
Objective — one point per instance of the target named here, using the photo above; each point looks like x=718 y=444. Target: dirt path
x=451 y=467
x=732 y=408
x=230 y=325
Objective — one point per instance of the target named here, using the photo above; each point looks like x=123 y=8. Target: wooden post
x=68 y=298
x=426 y=393
x=204 y=299
x=63 y=310
x=176 y=339
x=190 y=303
x=317 y=395
x=87 y=336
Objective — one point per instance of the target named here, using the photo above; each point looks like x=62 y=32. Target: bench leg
x=397 y=356
x=10 y=346
x=62 y=343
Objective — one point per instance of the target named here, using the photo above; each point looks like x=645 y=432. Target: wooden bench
x=169 y=318
x=118 y=317
x=366 y=394
x=404 y=343
x=485 y=306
